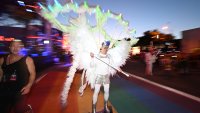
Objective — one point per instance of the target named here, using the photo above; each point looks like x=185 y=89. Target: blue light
x=45 y=53
x=21 y=3
x=23 y=51
x=41 y=5
x=76 y=5
x=29 y=10
x=34 y=55
x=50 y=8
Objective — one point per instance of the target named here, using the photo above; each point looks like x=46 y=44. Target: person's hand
x=25 y=90
x=92 y=55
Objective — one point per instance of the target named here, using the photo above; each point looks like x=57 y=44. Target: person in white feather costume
x=101 y=63
x=84 y=37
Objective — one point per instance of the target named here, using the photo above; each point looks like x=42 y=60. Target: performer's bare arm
x=31 y=69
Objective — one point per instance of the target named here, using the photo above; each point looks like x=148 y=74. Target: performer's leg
x=106 y=96
x=150 y=69
x=95 y=96
x=146 y=69
x=106 y=91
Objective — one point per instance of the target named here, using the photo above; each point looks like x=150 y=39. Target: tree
x=154 y=36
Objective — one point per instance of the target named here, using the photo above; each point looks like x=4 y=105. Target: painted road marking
x=168 y=88
x=40 y=78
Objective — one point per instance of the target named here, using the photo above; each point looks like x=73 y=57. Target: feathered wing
x=119 y=54
x=81 y=48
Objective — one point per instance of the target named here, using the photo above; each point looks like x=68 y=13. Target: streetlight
x=157 y=36
x=165 y=27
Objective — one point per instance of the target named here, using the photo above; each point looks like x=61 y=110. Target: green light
x=50 y=8
x=100 y=16
x=86 y=5
x=58 y=5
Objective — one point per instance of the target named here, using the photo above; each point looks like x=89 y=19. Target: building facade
x=190 y=40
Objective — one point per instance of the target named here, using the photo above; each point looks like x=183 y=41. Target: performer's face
x=104 y=49
x=15 y=47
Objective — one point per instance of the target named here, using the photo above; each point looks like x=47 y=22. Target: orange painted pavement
x=45 y=95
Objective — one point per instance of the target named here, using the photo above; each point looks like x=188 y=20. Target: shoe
x=29 y=109
x=106 y=109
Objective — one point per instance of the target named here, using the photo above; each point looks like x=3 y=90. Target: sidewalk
x=188 y=83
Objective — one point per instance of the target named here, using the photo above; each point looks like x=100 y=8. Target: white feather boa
x=120 y=54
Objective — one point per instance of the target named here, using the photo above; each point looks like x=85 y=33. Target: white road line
x=40 y=78
x=168 y=88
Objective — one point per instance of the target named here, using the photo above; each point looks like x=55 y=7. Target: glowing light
x=100 y=16
x=32 y=6
x=34 y=37
x=76 y=5
x=21 y=3
x=40 y=5
x=45 y=53
x=57 y=5
x=2 y=38
x=174 y=56
x=29 y=10
x=65 y=42
x=46 y=41
x=135 y=50
x=157 y=36
x=165 y=27
x=50 y=8
x=86 y=5
x=34 y=55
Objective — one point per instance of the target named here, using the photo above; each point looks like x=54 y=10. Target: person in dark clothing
x=17 y=75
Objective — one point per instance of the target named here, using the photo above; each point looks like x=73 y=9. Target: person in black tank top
x=17 y=75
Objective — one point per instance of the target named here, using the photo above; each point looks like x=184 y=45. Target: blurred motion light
x=135 y=50
x=46 y=41
x=29 y=10
x=45 y=53
x=165 y=27
x=21 y=3
x=157 y=36
x=34 y=55
x=174 y=56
